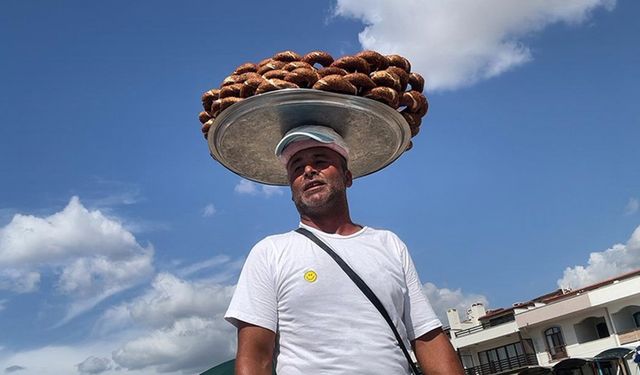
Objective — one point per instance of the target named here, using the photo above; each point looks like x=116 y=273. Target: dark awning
x=538 y=370
x=571 y=363
x=614 y=353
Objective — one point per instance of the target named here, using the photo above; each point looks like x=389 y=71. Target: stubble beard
x=317 y=206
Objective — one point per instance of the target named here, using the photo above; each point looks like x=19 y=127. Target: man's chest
x=310 y=283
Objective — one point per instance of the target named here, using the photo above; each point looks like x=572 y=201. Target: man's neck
x=342 y=226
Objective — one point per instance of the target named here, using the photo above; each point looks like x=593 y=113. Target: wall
x=616 y=291
x=551 y=311
x=591 y=348
x=488 y=334
x=573 y=347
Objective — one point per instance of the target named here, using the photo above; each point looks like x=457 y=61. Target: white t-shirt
x=324 y=323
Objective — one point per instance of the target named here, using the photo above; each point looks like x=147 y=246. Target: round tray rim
x=266 y=105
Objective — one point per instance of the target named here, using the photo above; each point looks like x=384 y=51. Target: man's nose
x=310 y=170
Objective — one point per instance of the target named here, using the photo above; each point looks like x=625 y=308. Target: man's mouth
x=311 y=185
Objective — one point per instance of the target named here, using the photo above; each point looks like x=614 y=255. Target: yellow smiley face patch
x=310 y=276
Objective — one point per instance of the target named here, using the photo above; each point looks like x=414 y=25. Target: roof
x=614 y=353
x=225 y=368
x=571 y=363
x=597 y=285
x=557 y=295
x=502 y=311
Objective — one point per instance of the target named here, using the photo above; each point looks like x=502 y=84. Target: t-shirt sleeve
x=254 y=300
x=419 y=316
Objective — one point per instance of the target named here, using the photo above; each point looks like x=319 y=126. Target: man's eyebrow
x=319 y=154
x=293 y=161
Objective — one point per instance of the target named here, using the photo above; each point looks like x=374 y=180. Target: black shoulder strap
x=364 y=288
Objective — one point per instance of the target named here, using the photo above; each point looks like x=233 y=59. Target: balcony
x=485 y=325
x=558 y=352
x=484 y=334
x=468 y=331
x=512 y=363
x=629 y=336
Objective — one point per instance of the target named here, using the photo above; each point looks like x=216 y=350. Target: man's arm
x=436 y=355
x=255 y=350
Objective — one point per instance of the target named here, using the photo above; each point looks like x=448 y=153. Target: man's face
x=318 y=179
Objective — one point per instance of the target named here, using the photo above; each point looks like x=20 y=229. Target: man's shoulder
x=284 y=236
x=272 y=245
x=383 y=233
x=380 y=230
x=277 y=239
x=386 y=238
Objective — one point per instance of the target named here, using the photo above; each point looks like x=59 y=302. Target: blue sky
x=121 y=239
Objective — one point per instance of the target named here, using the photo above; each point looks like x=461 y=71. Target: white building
x=548 y=330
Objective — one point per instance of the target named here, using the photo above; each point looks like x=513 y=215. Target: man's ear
x=348 y=178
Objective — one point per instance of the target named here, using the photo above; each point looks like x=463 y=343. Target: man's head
x=316 y=161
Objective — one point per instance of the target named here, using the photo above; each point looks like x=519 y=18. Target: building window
x=636 y=319
x=467 y=360
x=602 y=330
x=590 y=329
x=555 y=343
x=506 y=357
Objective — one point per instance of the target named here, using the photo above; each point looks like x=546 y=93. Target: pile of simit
x=387 y=79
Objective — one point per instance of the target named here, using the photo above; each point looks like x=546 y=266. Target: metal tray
x=244 y=136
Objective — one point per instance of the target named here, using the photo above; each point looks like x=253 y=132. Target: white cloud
x=190 y=345
x=12 y=369
x=19 y=280
x=92 y=256
x=87 y=277
x=105 y=194
x=2 y=306
x=618 y=259
x=172 y=298
x=90 y=281
x=246 y=187
x=632 y=206
x=128 y=197
x=268 y=190
x=209 y=210
x=205 y=264
x=443 y=299
x=458 y=42
x=114 y=320
x=94 y=365
x=48 y=360
x=55 y=360
x=72 y=232
x=175 y=327
x=187 y=329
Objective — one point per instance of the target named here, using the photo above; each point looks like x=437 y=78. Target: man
x=293 y=304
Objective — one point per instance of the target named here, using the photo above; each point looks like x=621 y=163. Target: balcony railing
x=484 y=325
x=629 y=336
x=511 y=363
x=558 y=352
x=471 y=330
